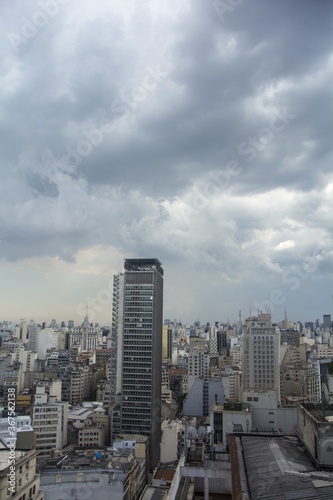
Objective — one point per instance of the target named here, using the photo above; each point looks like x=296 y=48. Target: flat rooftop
x=4 y=456
x=143 y=265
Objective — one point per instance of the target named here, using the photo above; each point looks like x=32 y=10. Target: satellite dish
x=191 y=432
x=202 y=431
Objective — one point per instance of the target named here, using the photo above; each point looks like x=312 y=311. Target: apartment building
x=49 y=420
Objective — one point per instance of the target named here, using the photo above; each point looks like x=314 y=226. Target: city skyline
x=198 y=133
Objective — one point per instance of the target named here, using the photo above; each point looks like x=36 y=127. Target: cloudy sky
x=197 y=132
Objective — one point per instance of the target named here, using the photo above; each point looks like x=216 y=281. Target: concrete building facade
x=260 y=362
x=49 y=420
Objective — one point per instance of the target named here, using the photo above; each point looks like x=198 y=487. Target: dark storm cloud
x=190 y=131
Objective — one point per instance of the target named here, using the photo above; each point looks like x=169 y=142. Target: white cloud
x=285 y=244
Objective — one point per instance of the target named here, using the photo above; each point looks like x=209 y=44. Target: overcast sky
x=197 y=132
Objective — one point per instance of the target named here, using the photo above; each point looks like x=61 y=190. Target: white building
x=19 y=423
x=260 y=362
x=33 y=329
x=52 y=387
x=46 y=339
x=171 y=434
x=50 y=418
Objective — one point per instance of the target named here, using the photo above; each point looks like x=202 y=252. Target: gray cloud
x=118 y=128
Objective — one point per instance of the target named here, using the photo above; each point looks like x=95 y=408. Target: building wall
x=231 y=418
x=317 y=436
x=166 y=342
x=260 y=398
x=277 y=418
x=92 y=437
x=169 y=442
x=202 y=396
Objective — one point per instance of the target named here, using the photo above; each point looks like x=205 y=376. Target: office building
x=260 y=362
x=139 y=344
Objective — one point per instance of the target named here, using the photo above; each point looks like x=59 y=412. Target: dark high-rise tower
x=141 y=351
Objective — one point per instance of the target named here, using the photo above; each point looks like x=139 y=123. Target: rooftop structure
x=275 y=467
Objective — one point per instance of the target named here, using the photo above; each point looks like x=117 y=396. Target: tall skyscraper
x=137 y=330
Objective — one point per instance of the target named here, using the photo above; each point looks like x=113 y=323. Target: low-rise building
x=18 y=478
x=118 y=473
x=229 y=417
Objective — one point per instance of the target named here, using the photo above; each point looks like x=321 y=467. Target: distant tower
x=327 y=321
x=285 y=322
x=86 y=318
x=239 y=323
x=24 y=331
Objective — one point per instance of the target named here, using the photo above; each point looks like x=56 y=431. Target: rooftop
x=166 y=474
x=143 y=265
x=153 y=493
x=279 y=468
x=139 y=438
x=113 y=460
x=4 y=455
x=321 y=412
